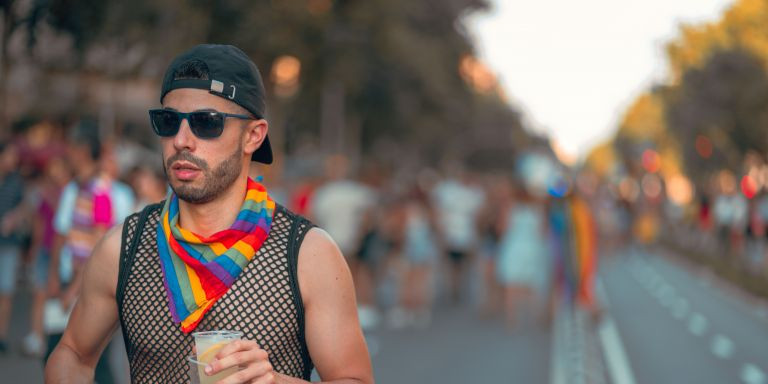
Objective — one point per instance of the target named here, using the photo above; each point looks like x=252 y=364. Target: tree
x=727 y=101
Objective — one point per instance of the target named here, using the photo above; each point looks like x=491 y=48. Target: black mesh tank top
x=264 y=303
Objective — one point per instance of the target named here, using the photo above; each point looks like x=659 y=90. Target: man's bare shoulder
x=318 y=250
x=321 y=266
x=104 y=263
x=109 y=245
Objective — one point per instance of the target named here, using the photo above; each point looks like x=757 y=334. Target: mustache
x=186 y=156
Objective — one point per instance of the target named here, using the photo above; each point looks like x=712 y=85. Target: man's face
x=200 y=170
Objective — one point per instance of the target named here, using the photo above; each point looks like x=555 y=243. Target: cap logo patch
x=217 y=86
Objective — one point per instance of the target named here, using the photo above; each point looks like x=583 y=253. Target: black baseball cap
x=231 y=75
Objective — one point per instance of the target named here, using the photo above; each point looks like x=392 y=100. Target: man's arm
x=93 y=319
x=332 y=329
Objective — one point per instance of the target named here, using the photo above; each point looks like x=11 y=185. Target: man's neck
x=214 y=216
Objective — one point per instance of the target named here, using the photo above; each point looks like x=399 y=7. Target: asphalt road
x=663 y=322
x=678 y=324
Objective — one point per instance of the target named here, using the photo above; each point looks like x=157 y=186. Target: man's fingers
x=235 y=346
x=237 y=359
x=259 y=370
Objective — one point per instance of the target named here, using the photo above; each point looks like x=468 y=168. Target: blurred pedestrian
x=89 y=205
x=522 y=264
x=345 y=207
x=421 y=255
x=11 y=217
x=585 y=253
x=55 y=177
x=575 y=254
x=492 y=223
x=149 y=186
x=457 y=203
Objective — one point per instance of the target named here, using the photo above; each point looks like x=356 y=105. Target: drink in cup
x=208 y=344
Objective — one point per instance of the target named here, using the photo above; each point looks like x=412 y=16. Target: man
x=217 y=254
x=458 y=202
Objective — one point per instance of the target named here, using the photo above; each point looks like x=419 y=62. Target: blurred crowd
x=727 y=224
x=62 y=186
x=487 y=241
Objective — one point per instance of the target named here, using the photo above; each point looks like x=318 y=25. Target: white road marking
x=667 y=297
x=613 y=349
x=654 y=281
x=697 y=324
x=557 y=366
x=751 y=374
x=722 y=347
x=680 y=309
x=616 y=359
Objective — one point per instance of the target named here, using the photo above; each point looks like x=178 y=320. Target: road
x=663 y=322
x=681 y=325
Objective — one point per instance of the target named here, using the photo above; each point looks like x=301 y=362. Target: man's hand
x=246 y=354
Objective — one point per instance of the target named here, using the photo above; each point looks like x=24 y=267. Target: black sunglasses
x=204 y=124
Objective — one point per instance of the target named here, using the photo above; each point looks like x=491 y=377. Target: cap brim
x=264 y=153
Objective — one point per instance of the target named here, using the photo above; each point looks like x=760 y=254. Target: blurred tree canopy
x=727 y=101
x=377 y=78
x=712 y=111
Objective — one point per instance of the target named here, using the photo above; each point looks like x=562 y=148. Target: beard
x=215 y=181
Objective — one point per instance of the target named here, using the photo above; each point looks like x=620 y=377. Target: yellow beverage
x=208 y=344
x=205 y=355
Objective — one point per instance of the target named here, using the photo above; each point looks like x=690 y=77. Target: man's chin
x=193 y=195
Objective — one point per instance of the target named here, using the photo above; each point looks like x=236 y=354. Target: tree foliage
x=717 y=91
x=390 y=68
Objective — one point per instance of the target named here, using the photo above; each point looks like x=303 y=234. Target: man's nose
x=184 y=139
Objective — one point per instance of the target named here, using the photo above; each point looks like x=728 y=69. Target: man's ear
x=255 y=133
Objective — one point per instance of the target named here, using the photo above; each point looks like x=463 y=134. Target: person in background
x=492 y=222
x=89 y=205
x=522 y=262
x=345 y=208
x=457 y=203
x=11 y=216
x=149 y=186
x=574 y=252
x=585 y=254
x=55 y=177
x=421 y=254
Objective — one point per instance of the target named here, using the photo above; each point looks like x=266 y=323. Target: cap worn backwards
x=231 y=75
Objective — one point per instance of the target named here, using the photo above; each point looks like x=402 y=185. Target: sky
x=573 y=67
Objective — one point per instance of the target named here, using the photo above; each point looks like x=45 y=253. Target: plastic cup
x=209 y=343
x=197 y=372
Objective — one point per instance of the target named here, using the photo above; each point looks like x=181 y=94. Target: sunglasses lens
x=165 y=123
x=206 y=124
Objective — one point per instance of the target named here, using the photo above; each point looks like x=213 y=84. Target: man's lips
x=184 y=166
x=185 y=171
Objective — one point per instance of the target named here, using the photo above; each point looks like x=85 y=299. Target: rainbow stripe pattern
x=198 y=270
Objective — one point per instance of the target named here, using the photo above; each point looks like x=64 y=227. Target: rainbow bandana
x=199 y=270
